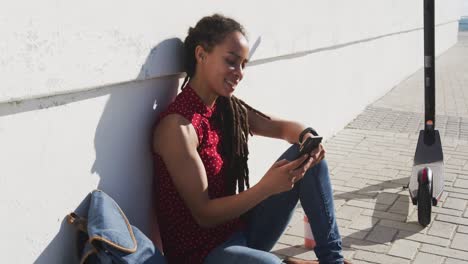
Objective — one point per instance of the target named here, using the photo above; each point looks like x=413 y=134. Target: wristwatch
x=305 y=131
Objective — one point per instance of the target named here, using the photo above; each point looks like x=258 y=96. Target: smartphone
x=310 y=144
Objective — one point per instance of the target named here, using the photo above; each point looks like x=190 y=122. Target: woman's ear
x=200 y=54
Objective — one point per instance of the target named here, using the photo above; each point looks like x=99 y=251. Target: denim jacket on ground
x=110 y=237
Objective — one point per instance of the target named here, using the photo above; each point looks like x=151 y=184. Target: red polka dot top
x=184 y=241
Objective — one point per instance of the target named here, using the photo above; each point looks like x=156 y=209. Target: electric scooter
x=427 y=180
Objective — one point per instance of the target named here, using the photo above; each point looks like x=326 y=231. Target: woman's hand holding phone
x=315 y=156
x=284 y=174
x=311 y=146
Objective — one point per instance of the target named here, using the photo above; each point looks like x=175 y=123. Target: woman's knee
x=319 y=172
x=320 y=167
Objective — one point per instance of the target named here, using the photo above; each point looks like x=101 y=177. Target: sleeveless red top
x=184 y=241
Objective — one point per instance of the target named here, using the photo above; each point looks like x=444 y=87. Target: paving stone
x=396 y=190
x=450 y=177
x=343 y=222
x=404 y=199
x=348 y=253
x=384 y=215
x=335 y=182
x=338 y=203
x=443 y=197
x=456 y=171
x=386 y=198
x=389 y=173
x=460 y=241
x=345 y=189
x=379 y=258
x=307 y=255
x=425 y=258
x=412 y=227
x=454 y=261
x=371 y=191
x=371 y=175
x=296 y=230
x=462 y=148
x=456 y=190
x=279 y=247
x=365 y=245
x=382 y=234
x=454 y=203
x=404 y=208
x=355 y=261
x=352 y=233
x=291 y=240
x=447 y=252
x=286 y=250
x=441 y=229
x=350 y=168
x=423 y=238
x=368 y=205
x=462 y=229
x=343 y=175
x=454 y=161
x=354 y=196
x=404 y=249
x=297 y=217
x=461 y=184
x=440 y=210
x=363 y=222
x=348 y=212
x=452 y=219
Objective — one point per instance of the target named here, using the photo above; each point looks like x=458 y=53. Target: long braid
x=232 y=113
x=234 y=119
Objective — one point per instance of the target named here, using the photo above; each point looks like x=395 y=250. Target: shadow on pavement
x=374 y=216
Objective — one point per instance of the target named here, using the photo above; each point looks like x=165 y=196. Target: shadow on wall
x=123 y=142
x=63 y=249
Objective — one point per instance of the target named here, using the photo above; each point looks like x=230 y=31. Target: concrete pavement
x=371 y=160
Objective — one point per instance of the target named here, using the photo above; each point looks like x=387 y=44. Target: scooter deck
x=428 y=154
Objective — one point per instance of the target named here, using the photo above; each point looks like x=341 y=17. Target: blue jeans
x=268 y=220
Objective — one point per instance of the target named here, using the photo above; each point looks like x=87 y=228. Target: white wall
x=464 y=11
x=54 y=46
x=80 y=82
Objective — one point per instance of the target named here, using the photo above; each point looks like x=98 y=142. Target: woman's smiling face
x=223 y=67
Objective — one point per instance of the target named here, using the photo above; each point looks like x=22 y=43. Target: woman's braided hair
x=231 y=114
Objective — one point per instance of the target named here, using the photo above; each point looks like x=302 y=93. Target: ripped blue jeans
x=268 y=220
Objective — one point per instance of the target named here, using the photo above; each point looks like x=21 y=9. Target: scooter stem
x=429 y=65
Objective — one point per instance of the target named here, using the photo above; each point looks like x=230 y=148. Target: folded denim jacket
x=108 y=237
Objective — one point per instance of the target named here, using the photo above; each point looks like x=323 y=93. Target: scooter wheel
x=424 y=204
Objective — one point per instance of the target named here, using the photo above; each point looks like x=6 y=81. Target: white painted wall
x=80 y=81
x=464 y=11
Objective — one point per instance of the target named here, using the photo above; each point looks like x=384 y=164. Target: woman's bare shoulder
x=171 y=131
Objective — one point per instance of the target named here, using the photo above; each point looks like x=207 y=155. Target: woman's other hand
x=283 y=174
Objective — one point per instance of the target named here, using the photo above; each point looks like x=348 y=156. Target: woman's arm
x=276 y=127
x=175 y=140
